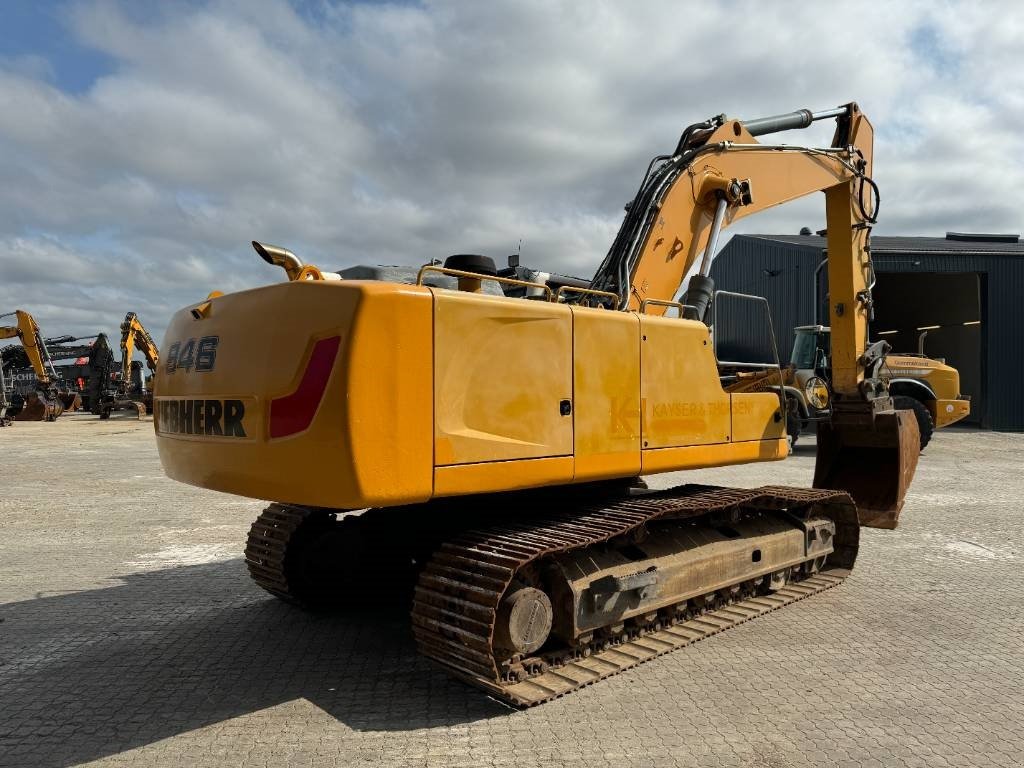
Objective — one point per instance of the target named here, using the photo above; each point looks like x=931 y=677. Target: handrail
x=592 y=291
x=771 y=333
x=662 y=303
x=477 y=276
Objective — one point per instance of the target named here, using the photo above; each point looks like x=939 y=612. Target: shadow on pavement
x=805 y=448
x=99 y=672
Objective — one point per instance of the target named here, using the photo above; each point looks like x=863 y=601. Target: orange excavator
x=50 y=397
x=484 y=436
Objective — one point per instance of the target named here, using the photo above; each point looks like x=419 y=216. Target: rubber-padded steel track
x=459 y=590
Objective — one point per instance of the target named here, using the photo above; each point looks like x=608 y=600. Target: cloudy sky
x=144 y=144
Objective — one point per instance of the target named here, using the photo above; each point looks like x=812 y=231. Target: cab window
x=804 y=348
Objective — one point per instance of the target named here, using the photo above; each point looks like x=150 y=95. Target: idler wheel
x=523 y=622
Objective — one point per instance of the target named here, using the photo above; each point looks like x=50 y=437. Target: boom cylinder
x=701 y=287
x=802 y=118
x=716 y=230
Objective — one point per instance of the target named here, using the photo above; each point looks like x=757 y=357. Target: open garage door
x=939 y=313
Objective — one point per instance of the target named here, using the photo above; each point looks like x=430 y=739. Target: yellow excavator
x=486 y=436
x=48 y=399
x=133 y=389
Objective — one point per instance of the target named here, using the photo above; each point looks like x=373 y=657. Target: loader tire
x=921 y=413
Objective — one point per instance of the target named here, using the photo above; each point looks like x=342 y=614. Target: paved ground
x=131 y=635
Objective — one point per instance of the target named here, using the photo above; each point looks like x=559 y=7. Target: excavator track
x=318 y=558
x=460 y=587
x=459 y=591
x=267 y=546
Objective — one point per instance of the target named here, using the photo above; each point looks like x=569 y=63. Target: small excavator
x=485 y=436
x=132 y=389
x=50 y=396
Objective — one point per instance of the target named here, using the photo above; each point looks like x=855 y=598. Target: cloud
x=392 y=133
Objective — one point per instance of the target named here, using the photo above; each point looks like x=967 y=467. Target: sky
x=143 y=145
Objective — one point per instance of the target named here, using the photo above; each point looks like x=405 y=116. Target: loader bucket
x=38 y=408
x=871 y=458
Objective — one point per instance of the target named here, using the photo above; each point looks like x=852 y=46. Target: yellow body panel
x=683 y=399
x=757 y=416
x=440 y=393
x=370 y=440
x=946 y=412
x=718 y=455
x=493 y=476
x=501 y=369
x=606 y=393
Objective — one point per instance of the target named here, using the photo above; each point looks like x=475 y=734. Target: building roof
x=936 y=245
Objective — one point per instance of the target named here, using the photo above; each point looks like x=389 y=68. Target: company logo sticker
x=202 y=418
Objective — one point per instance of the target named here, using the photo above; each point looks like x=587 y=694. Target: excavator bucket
x=71 y=401
x=39 y=408
x=871 y=457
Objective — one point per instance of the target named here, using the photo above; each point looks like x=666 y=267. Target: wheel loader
x=486 y=437
x=928 y=388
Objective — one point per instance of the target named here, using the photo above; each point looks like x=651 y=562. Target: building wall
x=782 y=273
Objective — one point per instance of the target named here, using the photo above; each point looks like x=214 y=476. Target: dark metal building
x=960 y=298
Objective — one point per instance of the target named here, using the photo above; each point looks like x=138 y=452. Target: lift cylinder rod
x=799 y=119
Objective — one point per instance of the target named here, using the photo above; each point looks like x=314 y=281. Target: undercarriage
x=554 y=594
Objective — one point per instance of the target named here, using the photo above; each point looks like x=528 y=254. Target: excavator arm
x=27 y=331
x=47 y=403
x=135 y=336
x=721 y=173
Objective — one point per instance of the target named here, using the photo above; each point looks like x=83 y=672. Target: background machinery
x=87 y=365
x=132 y=389
x=928 y=388
x=49 y=396
x=486 y=438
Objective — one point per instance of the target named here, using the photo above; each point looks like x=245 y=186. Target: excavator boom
x=721 y=173
x=135 y=336
x=132 y=390
x=27 y=331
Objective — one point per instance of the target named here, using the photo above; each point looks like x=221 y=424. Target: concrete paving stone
x=130 y=635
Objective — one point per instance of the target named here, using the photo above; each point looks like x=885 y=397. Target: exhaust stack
x=280 y=257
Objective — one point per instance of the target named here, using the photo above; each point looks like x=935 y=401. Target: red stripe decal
x=294 y=413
